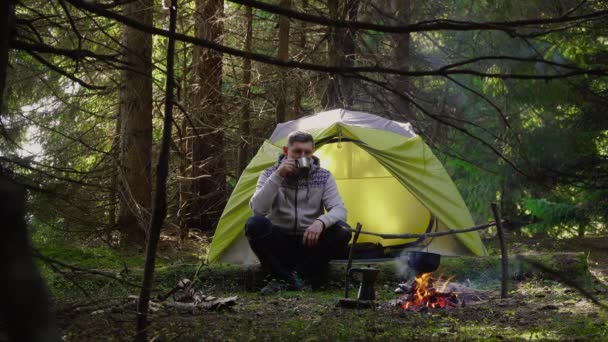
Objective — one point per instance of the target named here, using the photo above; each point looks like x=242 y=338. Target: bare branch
x=443 y=121
x=73 y=54
x=65 y=73
x=109 y=275
x=317 y=67
x=508 y=27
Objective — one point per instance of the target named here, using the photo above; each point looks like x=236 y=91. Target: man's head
x=299 y=144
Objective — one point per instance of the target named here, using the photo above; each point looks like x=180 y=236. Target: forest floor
x=538 y=309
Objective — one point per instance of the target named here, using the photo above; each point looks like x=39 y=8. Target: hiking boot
x=273 y=286
x=298 y=282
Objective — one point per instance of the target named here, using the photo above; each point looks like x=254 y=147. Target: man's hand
x=287 y=167
x=312 y=233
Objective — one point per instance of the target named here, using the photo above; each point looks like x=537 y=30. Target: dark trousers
x=281 y=254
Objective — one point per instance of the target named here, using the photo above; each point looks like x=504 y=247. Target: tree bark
x=581 y=230
x=341 y=53
x=159 y=208
x=185 y=129
x=185 y=167
x=331 y=97
x=136 y=119
x=401 y=58
x=205 y=146
x=351 y=11
x=244 y=123
x=113 y=198
x=7 y=19
x=283 y=54
x=300 y=87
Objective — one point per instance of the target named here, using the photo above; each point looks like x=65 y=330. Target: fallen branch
x=215 y=304
x=565 y=279
x=198 y=304
x=48 y=260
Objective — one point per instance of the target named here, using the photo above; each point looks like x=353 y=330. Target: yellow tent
x=389 y=179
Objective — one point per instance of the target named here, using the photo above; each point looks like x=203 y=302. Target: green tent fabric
x=389 y=179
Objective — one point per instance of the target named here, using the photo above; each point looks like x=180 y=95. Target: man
x=289 y=231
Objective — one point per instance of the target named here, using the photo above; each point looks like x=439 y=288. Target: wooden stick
x=159 y=204
x=350 y=259
x=503 y=251
x=428 y=235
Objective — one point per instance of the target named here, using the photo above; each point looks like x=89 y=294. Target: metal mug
x=303 y=164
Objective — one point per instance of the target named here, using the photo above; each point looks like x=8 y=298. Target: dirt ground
x=538 y=309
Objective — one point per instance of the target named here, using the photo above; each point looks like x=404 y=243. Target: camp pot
x=303 y=164
x=423 y=262
x=368 y=280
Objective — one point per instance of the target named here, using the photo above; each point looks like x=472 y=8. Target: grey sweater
x=293 y=204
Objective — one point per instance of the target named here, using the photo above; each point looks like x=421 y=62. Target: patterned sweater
x=293 y=204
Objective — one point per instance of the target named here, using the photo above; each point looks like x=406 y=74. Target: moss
x=93 y=257
x=313 y=316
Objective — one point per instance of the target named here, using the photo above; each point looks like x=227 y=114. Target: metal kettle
x=423 y=262
x=368 y=280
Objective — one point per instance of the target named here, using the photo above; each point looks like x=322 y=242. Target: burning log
x=423 y=295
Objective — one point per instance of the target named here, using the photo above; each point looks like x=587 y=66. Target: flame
x=445 y=284
x=424 y=294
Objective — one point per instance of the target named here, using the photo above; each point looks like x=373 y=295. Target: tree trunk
x=582 y=228
x=401 y=58
x=159 y=208
x=283 y=54
x=185 y=160
x=7 y=19
x=351 y=11
x=136 y=137
x=205 y=146
x=113 y=196
x=244 y=123
x=300 y=87
x=341 y=52
x=331 y=98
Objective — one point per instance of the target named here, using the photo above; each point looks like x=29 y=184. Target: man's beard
x=298 y=174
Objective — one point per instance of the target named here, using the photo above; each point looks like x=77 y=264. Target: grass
x=540 y=308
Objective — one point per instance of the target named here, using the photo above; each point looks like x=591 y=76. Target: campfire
x=426 y=293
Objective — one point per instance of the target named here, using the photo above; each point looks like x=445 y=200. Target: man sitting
x=289 y=231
